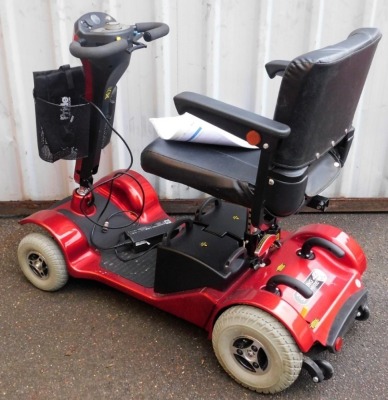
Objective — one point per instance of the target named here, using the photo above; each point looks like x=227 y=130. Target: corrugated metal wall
x=215 y=47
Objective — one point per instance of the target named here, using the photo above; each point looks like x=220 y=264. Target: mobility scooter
x=266 y=297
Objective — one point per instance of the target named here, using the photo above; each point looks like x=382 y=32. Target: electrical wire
x=91 y=189
x=112 y=179
x=137 y=217
x=116 y=132
x=105 y=226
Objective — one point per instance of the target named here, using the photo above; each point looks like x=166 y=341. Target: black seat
x=300 y=152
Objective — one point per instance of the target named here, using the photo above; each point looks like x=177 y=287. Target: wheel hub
x=38 y=265
x=250 y=354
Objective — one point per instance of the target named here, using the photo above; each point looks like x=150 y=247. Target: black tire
x=363 y=313
x=326 y=368
x=256 y=350
x=42 y=262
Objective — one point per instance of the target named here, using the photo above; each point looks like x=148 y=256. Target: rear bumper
x=346 y=317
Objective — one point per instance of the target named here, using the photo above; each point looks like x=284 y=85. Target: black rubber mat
x=141 y=266
x=140 y=269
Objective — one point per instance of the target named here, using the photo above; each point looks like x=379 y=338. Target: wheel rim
x=38 y=265
x=250 y=354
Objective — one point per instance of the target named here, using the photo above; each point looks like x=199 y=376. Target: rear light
x=338 y=343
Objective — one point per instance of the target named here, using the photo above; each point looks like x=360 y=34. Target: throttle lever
x=136 y=46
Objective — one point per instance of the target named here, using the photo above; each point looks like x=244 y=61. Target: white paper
x=188 y=128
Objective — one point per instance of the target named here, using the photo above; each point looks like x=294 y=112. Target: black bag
x=62 y=114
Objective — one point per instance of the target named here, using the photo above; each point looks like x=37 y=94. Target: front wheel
x=42 y=262
x=256 y=349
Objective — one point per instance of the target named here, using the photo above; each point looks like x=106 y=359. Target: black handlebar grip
x=152 y=30
x=98 y=52
x=320 y=242
x=291 y=282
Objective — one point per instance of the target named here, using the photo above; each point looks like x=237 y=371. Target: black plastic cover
x=197 y=259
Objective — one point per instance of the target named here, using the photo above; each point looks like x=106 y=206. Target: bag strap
x=69 y=77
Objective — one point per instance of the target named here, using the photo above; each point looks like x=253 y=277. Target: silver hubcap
x=250 y=354
x=38 y=265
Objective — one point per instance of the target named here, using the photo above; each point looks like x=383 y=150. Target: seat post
x=254 y=235
x=262 y=182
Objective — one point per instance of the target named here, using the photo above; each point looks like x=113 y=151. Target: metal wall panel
x=215 y=47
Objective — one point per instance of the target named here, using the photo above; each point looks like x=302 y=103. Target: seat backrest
x=318 y=97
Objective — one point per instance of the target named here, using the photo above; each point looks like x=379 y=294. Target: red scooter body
x=333 y=279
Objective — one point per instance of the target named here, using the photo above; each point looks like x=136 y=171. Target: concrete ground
x=88 y=341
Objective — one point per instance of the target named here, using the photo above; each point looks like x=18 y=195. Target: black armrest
x=230 y=118
x=239 y=122
x=276 y=67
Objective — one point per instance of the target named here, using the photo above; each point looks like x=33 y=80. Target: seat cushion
x=228 y=173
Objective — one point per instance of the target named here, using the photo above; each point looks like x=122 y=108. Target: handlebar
x=152 y=30
x=98 y=52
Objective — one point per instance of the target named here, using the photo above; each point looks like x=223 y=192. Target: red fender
x=72 y=241
x=129 y=192
x=274 y=305
x=354 y=255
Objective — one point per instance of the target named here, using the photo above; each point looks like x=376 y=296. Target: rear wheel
x=256 y=349
x=42 y=262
